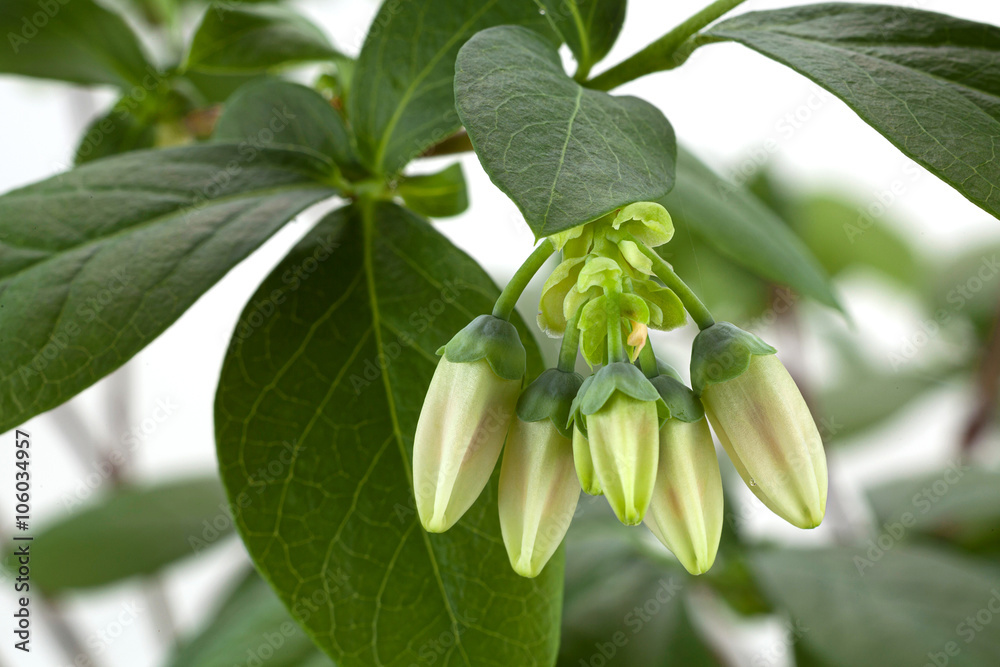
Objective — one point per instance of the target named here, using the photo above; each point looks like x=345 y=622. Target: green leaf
x=288 y=115
x=842 y=234
x=741 y=228
x=250 y=623
x=134 y=531
x=315 y=417
x=958 y=505
x=589 y=27
x=70 y=40
x=241 y=39
x=866 y=397
x=873 y=607
x=114 y=133
x=397 y=117
x=927 y=82
x=97 y=262
x=564 y=154
x=436 y=195
x=624 y=609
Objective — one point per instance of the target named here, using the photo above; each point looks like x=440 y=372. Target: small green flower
x=762 y=421
x=464 y=419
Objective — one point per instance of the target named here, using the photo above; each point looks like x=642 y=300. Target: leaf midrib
x=404 y=101
x=368 y=234
x=110 y=238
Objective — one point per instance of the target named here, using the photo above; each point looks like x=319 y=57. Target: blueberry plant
x=416 y=515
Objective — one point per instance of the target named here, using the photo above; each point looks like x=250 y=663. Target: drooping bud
x=538 y=485
x=685 y=513
x=465 y=418
x=582 y=458
x=762 y=421
x=622 y=410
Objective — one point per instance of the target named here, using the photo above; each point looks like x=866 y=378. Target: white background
x=725 y=103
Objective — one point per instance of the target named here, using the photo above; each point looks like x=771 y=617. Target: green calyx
x=493 y=339
x=551 y=396
x=575 y=416
x=723 y=352
x=681 y=402
x=620 y=377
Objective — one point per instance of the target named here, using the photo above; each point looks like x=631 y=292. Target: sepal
x=551 y=397
x=723 y=352
x=493 y=339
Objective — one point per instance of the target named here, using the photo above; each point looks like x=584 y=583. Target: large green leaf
x=97 y=262
x=250 y=623
x=741 y=228
x=134 y=531
x=958 y=505
x=929 y=83
x=589 y=27
x=565 y=155
x=396 y=117
x=907 y=605
x=238 y=39
x=288 y=115
x=71 y=40
x=315 y=417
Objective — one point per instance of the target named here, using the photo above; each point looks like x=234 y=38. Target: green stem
x=664 y=272
x=616 y=344
x=570 y=343
x=512 y=292
x=647 y=360
x=660 y=55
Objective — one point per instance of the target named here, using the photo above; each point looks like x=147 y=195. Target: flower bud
x=762 y=421
x=582 y=458
x=464 y=419
x=685 y=513
x=623 y=422
x=538 y=486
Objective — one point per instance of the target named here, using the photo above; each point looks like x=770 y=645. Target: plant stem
x=512 y=292
x=659 y=55
x=664 y=272
x=616 y=345
x=647 y=360
x=570 y=344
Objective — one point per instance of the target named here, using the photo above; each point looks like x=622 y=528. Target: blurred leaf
x=328 y=391
x=968 y=288
x=871 y=608
x=281 y=114
x=743 y=230
x=251 y=624
x=865 y=397
x=70 y=40
x=397 y=117
x=927 y=82
x=436 y=195
x=624 y=609
x=113 y=133
x=134 y=531
x=838 y=237
x=238 y=39
x=97 y=262
x=959 y=505
x=564 y=154
x=589 y=27
x=208 y=88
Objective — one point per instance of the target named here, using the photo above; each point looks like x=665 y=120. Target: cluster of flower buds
x=632 y=431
